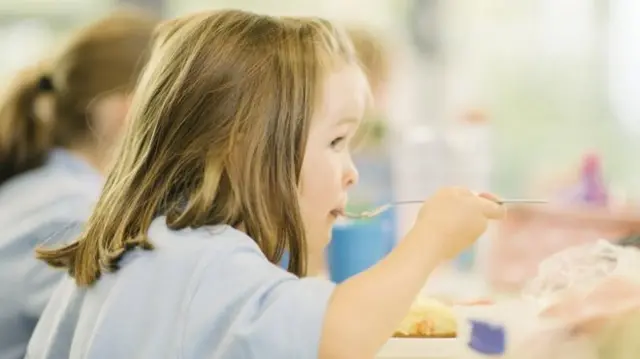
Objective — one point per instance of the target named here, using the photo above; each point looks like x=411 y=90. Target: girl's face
x=327 y=168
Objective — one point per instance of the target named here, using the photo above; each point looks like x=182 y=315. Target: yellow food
x=428 y=318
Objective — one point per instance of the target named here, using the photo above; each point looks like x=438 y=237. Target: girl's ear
x=108 y=115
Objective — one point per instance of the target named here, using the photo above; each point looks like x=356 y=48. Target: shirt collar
x=61 y=158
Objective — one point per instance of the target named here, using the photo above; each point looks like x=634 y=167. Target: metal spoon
x=379 y=210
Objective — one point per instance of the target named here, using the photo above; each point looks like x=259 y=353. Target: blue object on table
x=487 y=339
x=357 y=245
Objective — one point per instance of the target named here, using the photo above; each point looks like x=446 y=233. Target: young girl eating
x=237 y=151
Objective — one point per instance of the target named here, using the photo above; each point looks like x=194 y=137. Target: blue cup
x=357 y=245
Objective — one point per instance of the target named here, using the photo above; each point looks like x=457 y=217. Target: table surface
x=420 y=349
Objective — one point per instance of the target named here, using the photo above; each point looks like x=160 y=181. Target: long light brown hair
x=218 y=128
x=104 y=57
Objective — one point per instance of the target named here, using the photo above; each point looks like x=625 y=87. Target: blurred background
x=528 y=98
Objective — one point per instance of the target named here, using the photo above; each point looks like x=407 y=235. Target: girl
x=56 y=132
x=238 y=150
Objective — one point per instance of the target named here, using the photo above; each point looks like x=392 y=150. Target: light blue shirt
x=48 y=204
x=201 y=293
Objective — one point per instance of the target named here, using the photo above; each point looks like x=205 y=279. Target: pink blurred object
x=614 y=297
x=587 y=285
x=594 y=189
x=589 y=300
x=530 y=234
x=591 y=188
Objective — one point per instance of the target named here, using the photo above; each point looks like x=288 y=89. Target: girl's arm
x=363 y=312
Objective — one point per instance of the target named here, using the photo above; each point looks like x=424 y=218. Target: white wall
x=379 y=12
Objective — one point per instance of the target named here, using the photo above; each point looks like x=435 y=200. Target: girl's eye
x=337 y=141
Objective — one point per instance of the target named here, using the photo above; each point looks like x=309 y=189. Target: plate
x=415 y=348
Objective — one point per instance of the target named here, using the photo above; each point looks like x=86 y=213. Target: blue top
x=47 y=204
x=201 y=293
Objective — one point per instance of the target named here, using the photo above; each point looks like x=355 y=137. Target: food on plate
x=428 y=318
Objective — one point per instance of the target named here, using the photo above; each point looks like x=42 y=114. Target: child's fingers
x=489 y=196
x=492 y=209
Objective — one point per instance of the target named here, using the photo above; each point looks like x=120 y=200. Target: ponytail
x=25 y=129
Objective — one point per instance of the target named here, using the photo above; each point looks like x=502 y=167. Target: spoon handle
x=523 y=200
x=501 y=201
x=383 y=208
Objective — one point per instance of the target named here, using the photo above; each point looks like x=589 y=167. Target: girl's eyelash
x=337 y=141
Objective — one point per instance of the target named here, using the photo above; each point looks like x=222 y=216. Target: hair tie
x=45 y=84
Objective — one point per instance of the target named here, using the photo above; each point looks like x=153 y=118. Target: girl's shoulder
x=206 y=238
x=199 y=248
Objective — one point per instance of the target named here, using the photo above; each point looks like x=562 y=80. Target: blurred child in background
x=58 y=126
